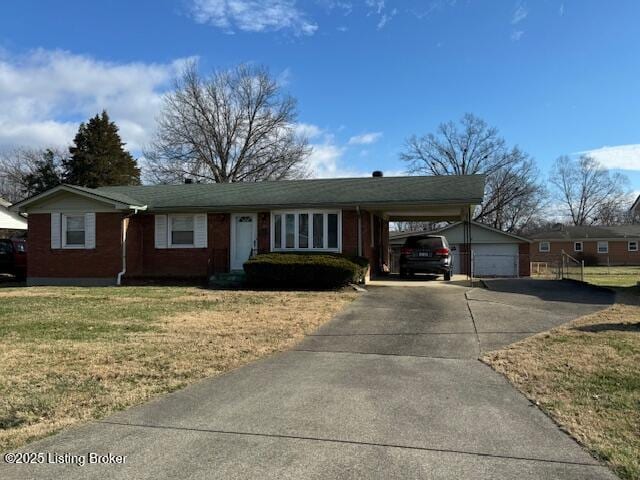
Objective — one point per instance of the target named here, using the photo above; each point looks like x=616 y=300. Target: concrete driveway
x=391 y=388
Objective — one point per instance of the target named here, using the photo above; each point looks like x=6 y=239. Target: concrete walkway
x=391 y=388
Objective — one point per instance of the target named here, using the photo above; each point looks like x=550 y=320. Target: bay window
x=307 y=230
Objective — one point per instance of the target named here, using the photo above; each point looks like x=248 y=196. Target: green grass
x=69 y=355
x=96 y=314
x=625 y=276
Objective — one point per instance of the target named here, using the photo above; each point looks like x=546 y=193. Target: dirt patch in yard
x=586 y=376
x=68 y=355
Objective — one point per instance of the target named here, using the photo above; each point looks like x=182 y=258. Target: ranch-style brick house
x=107 y=235
x=596 y=245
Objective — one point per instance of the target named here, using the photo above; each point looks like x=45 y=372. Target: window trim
x=547 y=250
x=629 y=246
x=575 y=249
x=602 y=242
x=170 y=243
x=63 y=233
x=296 y=229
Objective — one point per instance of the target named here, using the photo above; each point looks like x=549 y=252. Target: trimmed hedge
x=292 y=270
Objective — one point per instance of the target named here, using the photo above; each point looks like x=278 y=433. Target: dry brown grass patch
x=177 y=336
x=586 y=376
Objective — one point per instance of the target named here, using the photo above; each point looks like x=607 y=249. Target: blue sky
x=556 y=77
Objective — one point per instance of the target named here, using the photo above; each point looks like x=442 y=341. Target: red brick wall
x=375 y=253
x=349 y=232
x=102 y=262
x=144 y=260
x=524 y=263
x=618 y=253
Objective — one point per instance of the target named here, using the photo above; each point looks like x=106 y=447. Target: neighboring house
x=495 y=253
x=96 y=236
x=11 y=223
x=596 y=245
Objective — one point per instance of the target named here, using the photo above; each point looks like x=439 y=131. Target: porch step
x=227 y=280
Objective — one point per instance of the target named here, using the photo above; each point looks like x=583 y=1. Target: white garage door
x=495 y=260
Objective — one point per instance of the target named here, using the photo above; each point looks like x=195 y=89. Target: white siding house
x=10 y=221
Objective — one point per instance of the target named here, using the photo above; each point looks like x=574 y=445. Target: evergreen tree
x=44 y=175
x=98 y=157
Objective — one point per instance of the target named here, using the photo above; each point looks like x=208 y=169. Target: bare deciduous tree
x=512 y=195
x=589 y=193
x=233 y=126
x=27 y=171
x=415 y=226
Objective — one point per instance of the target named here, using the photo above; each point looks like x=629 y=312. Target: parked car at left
x=13 y=257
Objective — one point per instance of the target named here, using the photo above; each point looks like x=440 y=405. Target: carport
x=447 y=206
x=493 y=253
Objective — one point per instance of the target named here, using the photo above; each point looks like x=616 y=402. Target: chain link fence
x=568 y=267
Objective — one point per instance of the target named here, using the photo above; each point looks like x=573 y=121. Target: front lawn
x=586 y=376
x=73 y=354
x=612 y=276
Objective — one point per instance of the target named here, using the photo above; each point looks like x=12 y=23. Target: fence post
x=472 y=256
x=582 y=271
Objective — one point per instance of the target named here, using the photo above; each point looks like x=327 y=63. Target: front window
x=306 y=230
x=603 y=247
x=544 y=247
x=633 y=246
x=74 y=231
x=577 y=247
x=182 y=230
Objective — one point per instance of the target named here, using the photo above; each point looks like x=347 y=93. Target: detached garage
x=494 y=253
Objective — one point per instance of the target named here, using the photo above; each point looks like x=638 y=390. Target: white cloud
x=561 y=10
x=253 y=16
x=365 y=138
x=623 y=157
x=331 y=159
x=378 y=8
x=45 y=94
x=376 y=5
x=308 y=130
x=517 y=35
x=519 y=14
x=386 y=18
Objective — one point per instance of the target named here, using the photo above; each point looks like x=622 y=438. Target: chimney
x=377 y=174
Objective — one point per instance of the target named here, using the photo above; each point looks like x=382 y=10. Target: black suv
x=426 y=254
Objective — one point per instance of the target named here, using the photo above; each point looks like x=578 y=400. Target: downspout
x=359 y=230
x=124 y=229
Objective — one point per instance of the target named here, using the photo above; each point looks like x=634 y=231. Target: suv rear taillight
x=406 y=251
x=442 y=252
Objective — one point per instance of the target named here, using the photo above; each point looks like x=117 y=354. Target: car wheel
x=404 y=272
x=447 y=276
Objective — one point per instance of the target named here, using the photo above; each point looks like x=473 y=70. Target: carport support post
x=467 y=244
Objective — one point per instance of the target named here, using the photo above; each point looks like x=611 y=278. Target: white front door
x=244 y=238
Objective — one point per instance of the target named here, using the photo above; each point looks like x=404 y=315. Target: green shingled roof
x=109 y=195
x=463 y=189
x=565 y=232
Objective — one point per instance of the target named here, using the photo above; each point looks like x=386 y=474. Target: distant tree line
x=97 y=158
x=237 y=125
x=582 y=191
